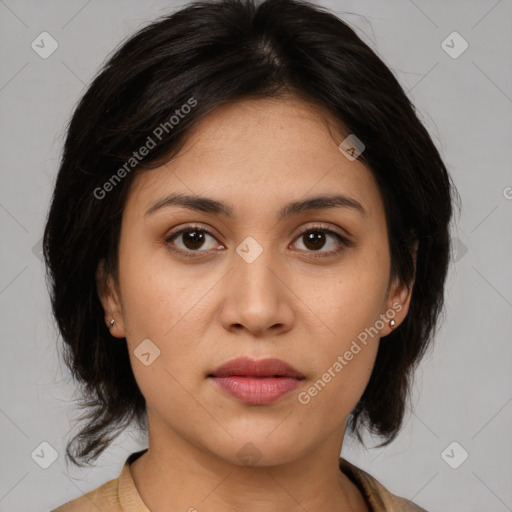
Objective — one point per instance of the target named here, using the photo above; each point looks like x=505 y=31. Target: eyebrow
x=208 y=205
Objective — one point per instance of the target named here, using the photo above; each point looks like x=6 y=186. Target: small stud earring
x=112 y=322
x=392 y=324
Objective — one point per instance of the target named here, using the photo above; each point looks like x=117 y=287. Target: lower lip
x=257 y=390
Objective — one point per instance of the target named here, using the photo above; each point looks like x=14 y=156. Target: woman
x=247 y=245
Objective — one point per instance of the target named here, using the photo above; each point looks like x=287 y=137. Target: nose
x=257 y=298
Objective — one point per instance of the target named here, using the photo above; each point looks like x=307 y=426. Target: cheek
x=157 y=295
x=168 y=306
x=163 y=308
x=351 y=298
x=344 y=365
x=339 y=387
x=349 y=303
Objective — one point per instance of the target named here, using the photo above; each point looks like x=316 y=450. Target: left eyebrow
x=321 y=203
x=209 y=205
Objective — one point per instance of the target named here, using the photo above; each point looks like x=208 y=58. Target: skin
x=257 y=156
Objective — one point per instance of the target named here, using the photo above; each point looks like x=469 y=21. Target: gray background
x=463 y=388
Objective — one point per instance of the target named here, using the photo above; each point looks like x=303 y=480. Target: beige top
x=121 y=495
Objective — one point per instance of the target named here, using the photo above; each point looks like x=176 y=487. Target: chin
x=260 y=450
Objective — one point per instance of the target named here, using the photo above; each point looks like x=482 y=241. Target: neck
x=176 y=475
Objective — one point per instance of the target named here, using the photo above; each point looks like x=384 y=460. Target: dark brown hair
x=219 y=52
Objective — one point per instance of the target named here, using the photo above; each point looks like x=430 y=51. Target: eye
x=316 y=238
x=191 y=239
x=195 y=240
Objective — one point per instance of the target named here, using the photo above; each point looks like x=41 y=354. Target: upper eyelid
x=320 y=226
x=199 y=227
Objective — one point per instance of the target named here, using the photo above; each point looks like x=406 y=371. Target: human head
x=206 y=56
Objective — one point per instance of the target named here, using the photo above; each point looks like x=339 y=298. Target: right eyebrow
x=198 y=203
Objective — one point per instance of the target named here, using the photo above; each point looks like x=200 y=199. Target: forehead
x=262 y=152
x=268 y=129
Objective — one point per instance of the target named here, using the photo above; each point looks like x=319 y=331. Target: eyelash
x=314 y=228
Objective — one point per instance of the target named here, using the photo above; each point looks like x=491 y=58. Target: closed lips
x=247 y=367
x=256 y=382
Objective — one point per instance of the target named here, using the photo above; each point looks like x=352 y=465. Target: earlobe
x=400 y=298
x=109 y=298
x=397 y=307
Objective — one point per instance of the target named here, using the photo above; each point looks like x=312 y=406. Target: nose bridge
x=256 y=298
x=254 y=280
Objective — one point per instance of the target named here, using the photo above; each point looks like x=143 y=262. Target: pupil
x=195 y=238
x=314 y=238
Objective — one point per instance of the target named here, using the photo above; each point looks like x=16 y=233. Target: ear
x=108 y=294
x=399 y=299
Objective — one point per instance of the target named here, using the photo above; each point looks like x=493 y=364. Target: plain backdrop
x=463 y=388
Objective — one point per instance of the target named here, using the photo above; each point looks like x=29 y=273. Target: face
x=199 y=286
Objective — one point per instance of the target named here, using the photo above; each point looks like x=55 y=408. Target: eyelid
x=344 y=240
x=323 y=227
x=190 y=227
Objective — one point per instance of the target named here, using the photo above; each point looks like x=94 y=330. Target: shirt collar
x=373 y=492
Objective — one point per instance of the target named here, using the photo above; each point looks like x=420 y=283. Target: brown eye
x=314 y=239
x=191 y=240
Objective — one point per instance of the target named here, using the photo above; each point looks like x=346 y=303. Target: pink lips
x=257 y=382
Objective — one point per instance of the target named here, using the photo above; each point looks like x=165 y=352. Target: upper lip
x=247 y=367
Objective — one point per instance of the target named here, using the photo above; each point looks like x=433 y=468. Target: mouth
x=256 y=382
